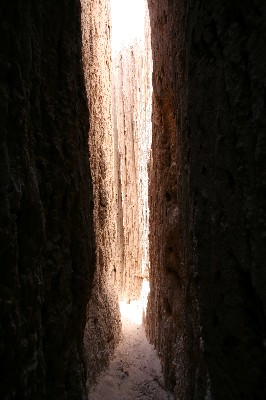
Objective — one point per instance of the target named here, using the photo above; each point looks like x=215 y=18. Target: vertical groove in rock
x=46 y=233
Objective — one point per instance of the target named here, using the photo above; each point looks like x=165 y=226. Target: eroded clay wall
x=46 y=234
x=207 y=200
x=103 y=317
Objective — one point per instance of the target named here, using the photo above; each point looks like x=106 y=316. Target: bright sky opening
x=127 y=22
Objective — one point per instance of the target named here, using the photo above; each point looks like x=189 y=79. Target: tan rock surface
x=103 y=319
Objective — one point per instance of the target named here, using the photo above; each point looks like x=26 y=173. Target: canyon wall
x=206 y=311
x=46 y=234
x=132 y=98
x=103 y=317
x=172 y=314
x=124 y=82
x=225 y=66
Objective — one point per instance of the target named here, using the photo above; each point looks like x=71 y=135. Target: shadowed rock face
x=172 y=315
x=226 y=114
x=46 y=233
x=208 y=278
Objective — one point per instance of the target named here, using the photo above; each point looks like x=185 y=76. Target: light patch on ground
x=135 y=310
x=135 y=371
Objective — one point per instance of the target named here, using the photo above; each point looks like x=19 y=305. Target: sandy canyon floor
x=135 y=371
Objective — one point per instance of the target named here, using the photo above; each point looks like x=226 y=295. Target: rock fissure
x=132 y=184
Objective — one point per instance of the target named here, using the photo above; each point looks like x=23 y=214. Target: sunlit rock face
x=132 y=97
x=46 y=234
x=206 y=312
x=103 y=317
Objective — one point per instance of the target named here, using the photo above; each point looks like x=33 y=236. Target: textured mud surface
x=135 y=371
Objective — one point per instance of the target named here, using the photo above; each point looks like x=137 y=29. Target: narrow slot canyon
x=132 y=180
x=118 y=74
x=119 y=80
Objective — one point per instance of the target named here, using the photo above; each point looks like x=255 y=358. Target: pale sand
x=135 y=371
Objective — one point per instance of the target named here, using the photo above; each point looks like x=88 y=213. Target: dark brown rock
x=172 y=316
x=225 y=63
x=208 y=279
x=46 y=233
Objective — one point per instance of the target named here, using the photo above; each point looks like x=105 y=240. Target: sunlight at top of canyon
x=128 y=22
